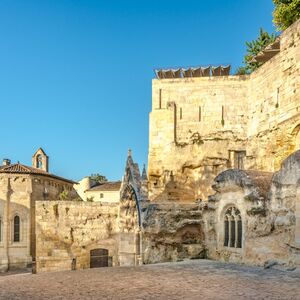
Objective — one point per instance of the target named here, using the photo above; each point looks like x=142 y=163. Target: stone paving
x=195 y=279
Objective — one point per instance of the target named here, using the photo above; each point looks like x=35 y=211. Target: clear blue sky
x=75 y=76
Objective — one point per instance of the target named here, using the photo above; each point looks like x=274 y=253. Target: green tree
x=253 y=48
x=98 y=178
x=64 y=195
x=286 y=12
x=241 y=71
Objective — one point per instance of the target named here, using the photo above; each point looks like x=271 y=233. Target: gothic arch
x=130 y=216
x=233 y=227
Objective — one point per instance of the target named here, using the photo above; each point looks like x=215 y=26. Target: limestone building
x=203 y=122
x=20 y=187
x=223 y=179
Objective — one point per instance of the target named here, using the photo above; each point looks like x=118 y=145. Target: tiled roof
x=22 y=169
x=107 y=186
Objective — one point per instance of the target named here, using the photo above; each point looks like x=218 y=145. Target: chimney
x=6 y=162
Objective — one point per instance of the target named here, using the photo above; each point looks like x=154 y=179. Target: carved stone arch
x=296 y=137
x=129 y=211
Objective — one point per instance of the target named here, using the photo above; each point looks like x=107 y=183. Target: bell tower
x=40 y=160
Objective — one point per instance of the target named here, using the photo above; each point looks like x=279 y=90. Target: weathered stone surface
x=172 y=232
x=199 y=125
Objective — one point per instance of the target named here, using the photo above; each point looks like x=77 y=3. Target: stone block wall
x=195 y=123
x=67 y=230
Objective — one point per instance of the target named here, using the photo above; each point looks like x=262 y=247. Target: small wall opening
x=99 y=258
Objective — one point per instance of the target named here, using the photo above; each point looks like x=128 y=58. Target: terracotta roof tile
x=107 y=186
x=22 y=169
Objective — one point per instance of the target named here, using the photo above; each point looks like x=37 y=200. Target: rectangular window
x=239 y=233
x=0 y=230
x=239 y=157
x=232 y=233
x=101 y=195
x=226 y=233
x=180 y=115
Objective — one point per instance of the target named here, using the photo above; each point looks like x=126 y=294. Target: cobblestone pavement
x=196 y=279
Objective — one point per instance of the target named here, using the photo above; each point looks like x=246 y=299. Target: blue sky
x=75 y=76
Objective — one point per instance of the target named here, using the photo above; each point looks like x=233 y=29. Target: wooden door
x=99 y=258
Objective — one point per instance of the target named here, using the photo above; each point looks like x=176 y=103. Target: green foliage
x=286 y=12
x=98 y=178
x=90 y=199
x=241 y=71
x=64 y=195
x=253 y=48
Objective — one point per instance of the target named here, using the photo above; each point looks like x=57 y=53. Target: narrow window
x=239 y=158
x=101 y=195
x=199 y=113
x=226 y=232
x=232 y=232
x=159 y=98
x=0 y=230
x=222 y=113
x=39 y=160
x=239 y=234
x=180 y=115
x=16 y=229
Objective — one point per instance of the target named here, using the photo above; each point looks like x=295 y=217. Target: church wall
x=274 y=105
x=15 y=201
x=260 y=114
x=190 y=143
x=271 y=223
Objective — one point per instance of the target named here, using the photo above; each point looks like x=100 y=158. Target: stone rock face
x=202 y=126
x=269 y=214
x=253 y=218
x=172 y=232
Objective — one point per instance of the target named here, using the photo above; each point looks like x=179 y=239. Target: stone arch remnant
x=129 y=226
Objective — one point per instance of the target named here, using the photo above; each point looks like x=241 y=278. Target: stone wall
x=172 y=232
x=15 y=198
x=274 y=106
x=66 y=232
x=196 y=123
x=269 y=213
